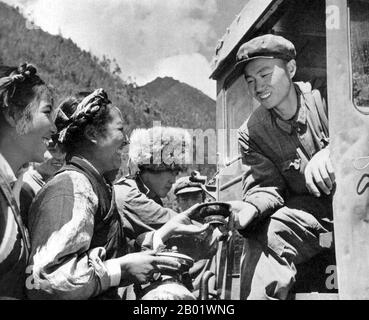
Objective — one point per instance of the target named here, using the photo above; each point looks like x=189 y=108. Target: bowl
x=185 y=261
x=211 y=212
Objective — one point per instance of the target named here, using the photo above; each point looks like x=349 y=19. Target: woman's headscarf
x=8 y=85
x=90 y=104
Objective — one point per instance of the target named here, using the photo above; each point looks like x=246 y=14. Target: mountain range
x=183 y=103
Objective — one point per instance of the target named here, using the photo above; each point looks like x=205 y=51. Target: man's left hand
x=319 y=174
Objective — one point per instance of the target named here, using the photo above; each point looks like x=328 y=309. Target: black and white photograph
x=207 y=152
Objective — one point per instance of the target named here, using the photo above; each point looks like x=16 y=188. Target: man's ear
x=91 y=134
x=291 y=67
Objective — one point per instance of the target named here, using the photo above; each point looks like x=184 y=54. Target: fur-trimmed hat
x=160 y=148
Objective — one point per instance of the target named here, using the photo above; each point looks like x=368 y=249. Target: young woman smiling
x=26 y=105
x=79 y=250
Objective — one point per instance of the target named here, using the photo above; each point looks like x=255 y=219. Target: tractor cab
x=332 y=47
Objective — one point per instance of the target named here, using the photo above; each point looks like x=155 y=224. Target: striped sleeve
x=62 y=226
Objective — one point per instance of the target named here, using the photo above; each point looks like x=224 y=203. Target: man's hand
x=181 y=224
x=319 y=174
x=140 y=267
x=243 y=213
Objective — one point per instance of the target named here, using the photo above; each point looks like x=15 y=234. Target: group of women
x=73 y=245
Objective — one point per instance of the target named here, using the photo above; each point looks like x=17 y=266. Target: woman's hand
x=181 y=224
x=140 y=267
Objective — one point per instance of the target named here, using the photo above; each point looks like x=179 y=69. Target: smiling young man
x=156 y=158
x=289 y=179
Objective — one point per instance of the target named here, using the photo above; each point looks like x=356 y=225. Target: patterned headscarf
x=90 y=104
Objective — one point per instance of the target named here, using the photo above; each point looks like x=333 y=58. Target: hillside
x=69 y=69
x=182 y=103
x=186 y=107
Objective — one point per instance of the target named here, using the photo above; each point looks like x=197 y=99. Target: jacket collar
x=298 y=122
x=145 y=190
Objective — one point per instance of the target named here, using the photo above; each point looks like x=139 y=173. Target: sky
x=148 y=38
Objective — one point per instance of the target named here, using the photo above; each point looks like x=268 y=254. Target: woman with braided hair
x=79 y=250
x=26 y=104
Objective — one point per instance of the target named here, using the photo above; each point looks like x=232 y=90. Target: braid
x=27 y=70
x=17 y=85
x=74 y=136
x=28 y=73
x=75 y=114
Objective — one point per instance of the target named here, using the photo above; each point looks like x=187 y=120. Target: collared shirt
x=13 y=252
x=276 y=152
x=148 y=192
x=142 y=209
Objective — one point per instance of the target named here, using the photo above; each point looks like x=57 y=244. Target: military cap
x=267 y=46
x=185 y=185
